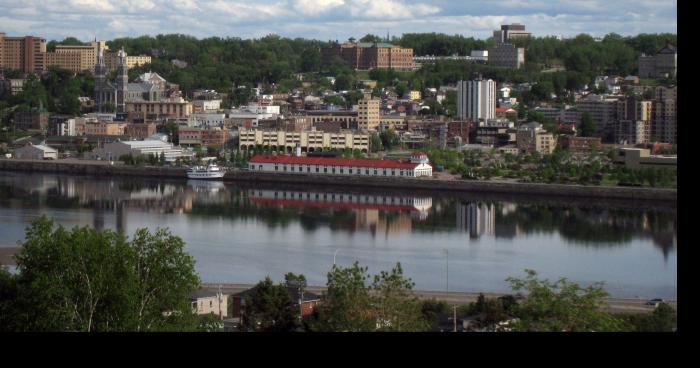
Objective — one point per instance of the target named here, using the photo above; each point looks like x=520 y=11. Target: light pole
x=447 y=270
x=334 y=254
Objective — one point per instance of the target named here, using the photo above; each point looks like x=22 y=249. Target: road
x=617 y=305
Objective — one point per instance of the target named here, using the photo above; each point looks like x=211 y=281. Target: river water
x=455 y=242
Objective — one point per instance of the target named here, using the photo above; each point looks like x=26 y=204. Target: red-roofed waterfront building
x=417 y=166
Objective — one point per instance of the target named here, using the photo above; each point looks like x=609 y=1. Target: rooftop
x=331 y=161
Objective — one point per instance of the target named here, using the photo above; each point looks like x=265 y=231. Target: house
x=36 y=152
x=209 y=302
x=308 y=303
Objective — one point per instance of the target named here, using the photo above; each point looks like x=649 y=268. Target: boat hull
x=206 y=176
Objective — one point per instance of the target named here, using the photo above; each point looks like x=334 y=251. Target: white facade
x=462 y=100
x=481 y=99
x=347 y=167
x=206 y=105
x=112 y=151
x=209 y=119
x=36 y=152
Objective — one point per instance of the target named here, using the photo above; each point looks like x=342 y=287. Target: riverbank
x=617 y=305
x=103 y=168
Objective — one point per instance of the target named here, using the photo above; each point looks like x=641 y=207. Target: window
x=276 y=168
x=375 y=172
x=367 y=172
x=325 y=169
x=341 y=170
x=317 y=169
x=308 y=168
x=300 y=168
x=349 y=171
x=259 y=167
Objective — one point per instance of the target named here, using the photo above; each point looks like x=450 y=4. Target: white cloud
x=329 y=19
x=314 y=7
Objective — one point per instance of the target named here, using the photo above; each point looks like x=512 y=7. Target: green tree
x=562 y=306
x=89 y=280
x=663 y=319
x=588 y=127
x=395 y=308
x=375 y=143
x=269 y=308
x=346 y=304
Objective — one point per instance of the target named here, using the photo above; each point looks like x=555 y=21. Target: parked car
x=655 y=302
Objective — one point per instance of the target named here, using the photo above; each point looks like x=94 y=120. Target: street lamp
x=447 y=270
x=334 y=254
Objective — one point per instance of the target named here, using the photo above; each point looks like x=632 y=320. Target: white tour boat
x=211 y=171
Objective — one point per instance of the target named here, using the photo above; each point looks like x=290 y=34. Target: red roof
x=504 y=109
x=331 y=161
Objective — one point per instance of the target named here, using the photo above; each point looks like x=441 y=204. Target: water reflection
x=373 y=211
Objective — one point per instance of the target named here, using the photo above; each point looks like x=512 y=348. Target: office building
x=367 y=55
x=22 y=53
x=481 y=99
x=368 y=112
x=662 y=65
x=506 y=55
x=510 y=31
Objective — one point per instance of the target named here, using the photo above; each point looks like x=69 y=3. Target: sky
x=330 y=19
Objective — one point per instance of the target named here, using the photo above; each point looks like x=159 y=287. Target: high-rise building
x=506 y=55
x=662 y=65
x=481 y=99
x=22 y=53
x=368 y=112
x=462 y=100
x=369 y=55
x=664 y=120
x=509 y=31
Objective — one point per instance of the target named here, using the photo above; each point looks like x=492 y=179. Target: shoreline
x=103 y=168
x=617 y=305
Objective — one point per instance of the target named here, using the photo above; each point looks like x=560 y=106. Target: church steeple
x=122 y=81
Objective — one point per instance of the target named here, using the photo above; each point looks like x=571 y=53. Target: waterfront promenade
x=107 y=169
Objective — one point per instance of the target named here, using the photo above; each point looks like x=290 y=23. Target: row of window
x=341 y=170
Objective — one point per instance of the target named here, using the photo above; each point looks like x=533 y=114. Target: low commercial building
x=176 y=108
x=205 y=105
x=112 y=151
x=579 y=145
x=209 y=302
x=36 y=152
x=640 y=158
x=105 y=128
x=416 y=167
x=33 y=119
x=310 y=141
x=213 y=137
x=140 y=131
x=532 y=138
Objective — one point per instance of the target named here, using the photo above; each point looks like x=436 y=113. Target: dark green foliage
x=562 y=306
x=89 y=280
x=663 y=319
x=270 y=308
x=588 y=127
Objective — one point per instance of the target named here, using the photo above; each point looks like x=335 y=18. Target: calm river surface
x=460 y=242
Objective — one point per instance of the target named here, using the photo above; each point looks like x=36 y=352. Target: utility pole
x=447 y=270
x=454 y=317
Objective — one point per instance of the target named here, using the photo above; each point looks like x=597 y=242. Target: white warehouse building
x=112 y=151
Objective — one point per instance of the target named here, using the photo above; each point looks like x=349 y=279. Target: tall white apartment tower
x=462 y=100
x=481 y=99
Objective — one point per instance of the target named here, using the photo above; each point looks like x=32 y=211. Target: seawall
x=104 y=169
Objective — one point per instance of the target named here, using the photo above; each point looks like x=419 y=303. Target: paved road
x=617 y=305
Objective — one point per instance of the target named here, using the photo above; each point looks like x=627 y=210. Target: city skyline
x=330 y=19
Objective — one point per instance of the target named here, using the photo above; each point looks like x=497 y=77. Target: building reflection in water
x=381 y=214
x=476 y=218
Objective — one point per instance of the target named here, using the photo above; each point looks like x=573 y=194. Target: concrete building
x=207 y=137
x=209 y=302
x=579 y=145
x=632 y=131
x=603 y=112
x=366 y=55
x=37 y=119
x=22 y=53
x=531 y=137
x=105 y=128
x=510 y=31
x=36 y=152
x=506 y=55
x=76 y=58
x=416 y=167
x=205 y=105
x=312 y=141
x=662 y=65
x=114 y=150
x=481 y=99
x=639 y=158
x=664 y=121
x=152 y=110
x=61 y=125
x=140 y=131
x=112 y=61
x=368 y=112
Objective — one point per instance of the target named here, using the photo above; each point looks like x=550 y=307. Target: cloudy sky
x=329 y=19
